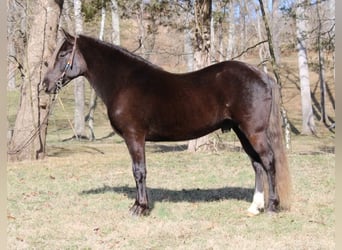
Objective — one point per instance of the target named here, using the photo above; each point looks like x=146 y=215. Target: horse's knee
x=268 y=161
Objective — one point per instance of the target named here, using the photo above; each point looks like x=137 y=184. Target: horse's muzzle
x=48 y=87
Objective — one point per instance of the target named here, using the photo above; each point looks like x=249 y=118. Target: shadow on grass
x=188 y=195
x=162 y=148
x=56 y=151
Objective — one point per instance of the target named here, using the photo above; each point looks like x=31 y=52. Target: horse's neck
x=106 y=67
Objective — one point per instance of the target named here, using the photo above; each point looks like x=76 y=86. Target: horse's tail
x=282 y=173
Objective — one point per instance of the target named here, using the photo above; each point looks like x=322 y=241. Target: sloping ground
x=80 y=195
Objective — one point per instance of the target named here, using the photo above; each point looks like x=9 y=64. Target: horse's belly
x=182 y=131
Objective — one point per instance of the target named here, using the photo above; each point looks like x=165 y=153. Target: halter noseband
x=59 y=82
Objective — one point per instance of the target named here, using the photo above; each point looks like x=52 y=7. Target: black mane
x=122 y=51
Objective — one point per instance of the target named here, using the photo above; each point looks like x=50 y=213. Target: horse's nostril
x=45 y=85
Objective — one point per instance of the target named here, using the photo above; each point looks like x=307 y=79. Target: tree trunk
x=308 y=123
x=79 y=86
x=10 y=46
x=115 y=23
x=276 y=18
x=188 y=51
x=212 y=55
x=29 y=136
x=220 y=31
x=201 y=54
x=243 y=31
x=66 y=17
x=93 y=96
x=231 y=31
x=324 y=116
x=140 y=20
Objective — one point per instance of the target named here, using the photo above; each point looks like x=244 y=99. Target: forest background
x=294 y=41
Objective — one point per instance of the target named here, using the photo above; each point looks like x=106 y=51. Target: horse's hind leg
x=136 y=148
x=258 y=203
x=261 y=145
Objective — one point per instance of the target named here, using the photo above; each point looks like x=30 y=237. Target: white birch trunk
x=103 y=20
x=79 y=86
x=308 y=124
x=115 y=23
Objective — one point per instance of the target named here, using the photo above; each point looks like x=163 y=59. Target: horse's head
x=66 y=64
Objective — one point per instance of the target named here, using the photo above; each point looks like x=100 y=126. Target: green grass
x=78 y=198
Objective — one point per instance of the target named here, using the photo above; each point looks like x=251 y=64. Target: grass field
x=78 y=198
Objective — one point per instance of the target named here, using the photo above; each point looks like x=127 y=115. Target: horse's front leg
x=136 y=147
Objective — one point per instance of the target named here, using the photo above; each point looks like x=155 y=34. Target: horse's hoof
x=249 y=214
x=272 y=210
x=271 y=213
x=139 y=210
x=253 y=211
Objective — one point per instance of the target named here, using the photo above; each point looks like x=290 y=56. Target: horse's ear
x=67 y=36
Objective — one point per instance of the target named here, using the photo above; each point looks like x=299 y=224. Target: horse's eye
x=46 y=64
x=63 y=54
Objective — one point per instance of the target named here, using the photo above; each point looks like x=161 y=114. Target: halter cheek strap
x=59 y=82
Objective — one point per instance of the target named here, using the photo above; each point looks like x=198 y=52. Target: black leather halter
x=59 y=82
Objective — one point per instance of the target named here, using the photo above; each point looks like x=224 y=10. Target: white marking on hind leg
x=258 y=203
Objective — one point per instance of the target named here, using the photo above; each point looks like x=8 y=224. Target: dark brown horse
x=147 y=103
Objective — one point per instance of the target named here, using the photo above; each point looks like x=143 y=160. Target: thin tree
x=29 y=136
x=321 y=67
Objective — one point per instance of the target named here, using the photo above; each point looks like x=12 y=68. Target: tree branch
x=249 y=48
x=20 y=66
